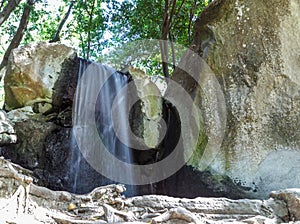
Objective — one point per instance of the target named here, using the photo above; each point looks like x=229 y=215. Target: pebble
x=71 y=207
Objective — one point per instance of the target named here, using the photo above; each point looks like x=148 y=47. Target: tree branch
x=19 y=34
x=61 y=24
x=172 y=14
x=2 y=3
x=166 y=27
x=192 y=13
x=82 y=41
x=89 y=31
x=176 y=14
x=179 y=8
x=164 y=56
x=173 y=50
x=164 y=36
x=11 y=5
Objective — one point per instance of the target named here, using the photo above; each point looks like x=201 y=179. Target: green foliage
x=89 y=25
x=43 y=22
x=96 y=25
x=8 y=28
x=143 y=54
x=134 y=20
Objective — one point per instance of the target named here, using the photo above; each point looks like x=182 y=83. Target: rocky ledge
x=21 y=201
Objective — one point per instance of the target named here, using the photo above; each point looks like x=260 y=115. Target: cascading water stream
x=95 y=109
x=84 y=104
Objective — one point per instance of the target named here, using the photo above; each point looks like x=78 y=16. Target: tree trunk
x=19 y=34
x=11 y=5
x=163 y=44
x=192 y=13
x=62 y=23
x=166 y=26
x=89 y=39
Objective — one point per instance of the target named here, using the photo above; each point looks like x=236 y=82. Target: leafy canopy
x=102 y=30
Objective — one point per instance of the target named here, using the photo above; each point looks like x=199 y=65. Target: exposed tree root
x=111 y=214
x=177 y=213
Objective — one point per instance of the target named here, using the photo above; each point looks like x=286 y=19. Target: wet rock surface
x=29 y=150
x=21 y=201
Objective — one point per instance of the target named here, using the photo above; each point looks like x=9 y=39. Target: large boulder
x=151 y=110
x=32 y=75
x=40 y=84
x=146 y=116
x=252 y=48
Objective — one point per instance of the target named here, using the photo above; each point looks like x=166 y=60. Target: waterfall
x=93 y=108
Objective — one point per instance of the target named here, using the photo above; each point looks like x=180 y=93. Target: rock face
x=146 y=116
x=7 y=131
x=252 y=47
x=32 y=74
x=29 y=151
x=21 y=201
x=152 y=108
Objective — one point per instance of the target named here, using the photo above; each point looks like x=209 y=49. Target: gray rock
x=151 y=108
x=20 y=114
x=252 y=114
x=32 y=73
x=7 y=131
